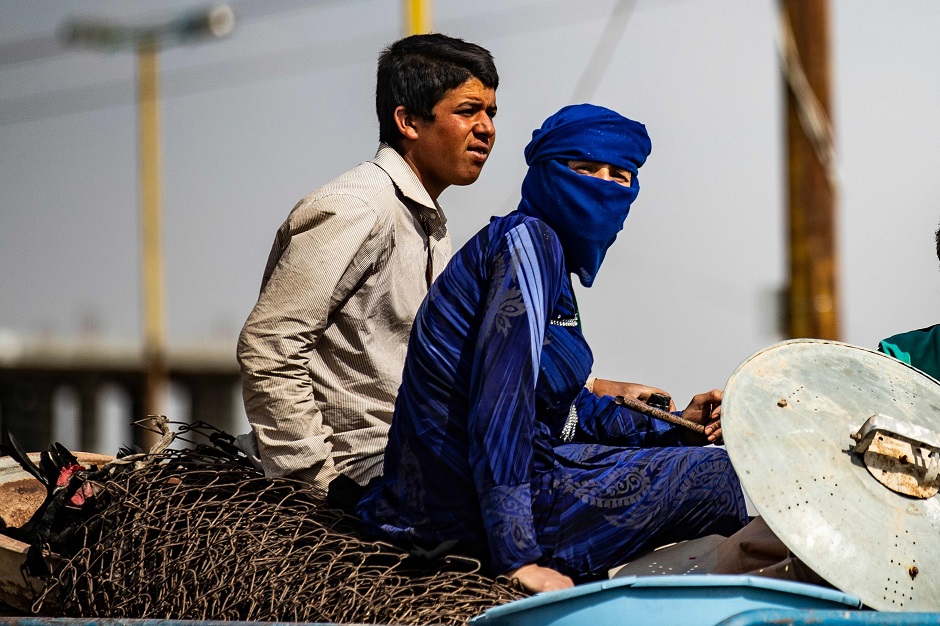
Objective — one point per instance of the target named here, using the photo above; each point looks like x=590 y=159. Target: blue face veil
x=585 y=212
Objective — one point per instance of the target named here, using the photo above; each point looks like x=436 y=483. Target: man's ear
x=405 y=122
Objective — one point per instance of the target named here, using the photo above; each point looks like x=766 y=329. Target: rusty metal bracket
x=903 y=457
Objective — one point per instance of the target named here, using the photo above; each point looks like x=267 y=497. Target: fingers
x=646 y=392
x=713 y=432
x=536 y=579
x=716 y=412
x=556 y=582
x=602 y=387
x=705 y=409
x=710 y=397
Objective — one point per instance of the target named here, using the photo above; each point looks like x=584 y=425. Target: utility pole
x=147 y=42
x=417 y=16
x=156 y=388
x=813 y=293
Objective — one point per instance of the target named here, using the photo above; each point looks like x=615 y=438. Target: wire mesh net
x=200 y=534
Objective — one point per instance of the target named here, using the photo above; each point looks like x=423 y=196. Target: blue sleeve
x=601 y=420
x=526 y=269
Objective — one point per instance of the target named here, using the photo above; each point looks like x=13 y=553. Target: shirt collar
x=405 y=178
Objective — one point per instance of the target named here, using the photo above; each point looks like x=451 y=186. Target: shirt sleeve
x=315 y=262
x=602 y=420
x=526 y=269
x=890 y=348
x=918 y=348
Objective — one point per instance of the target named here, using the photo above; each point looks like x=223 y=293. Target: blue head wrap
x=585 y=212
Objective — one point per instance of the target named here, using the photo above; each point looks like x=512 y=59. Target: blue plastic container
x=789 y=617
x=657 y=600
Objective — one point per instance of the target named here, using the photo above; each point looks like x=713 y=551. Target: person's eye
x=469 y=109
x=622 y=177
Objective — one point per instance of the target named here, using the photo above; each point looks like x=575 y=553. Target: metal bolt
x=913 y=571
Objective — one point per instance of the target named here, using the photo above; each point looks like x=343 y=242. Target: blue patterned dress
x=476 y=454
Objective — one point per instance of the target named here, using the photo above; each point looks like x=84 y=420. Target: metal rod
x=641 y=407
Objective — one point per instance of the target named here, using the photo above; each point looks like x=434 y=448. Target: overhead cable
x=603 y=53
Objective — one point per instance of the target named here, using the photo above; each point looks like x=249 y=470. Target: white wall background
x=254 y=122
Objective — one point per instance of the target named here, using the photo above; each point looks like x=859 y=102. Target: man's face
x=452 y=148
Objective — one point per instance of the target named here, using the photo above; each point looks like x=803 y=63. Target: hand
x=535 y=578
x=705 y=408
x=628 y=390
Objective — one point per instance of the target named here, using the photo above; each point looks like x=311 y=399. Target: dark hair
x=937 y=235
x=416 y=71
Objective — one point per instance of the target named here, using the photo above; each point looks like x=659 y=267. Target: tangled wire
x=198 y=534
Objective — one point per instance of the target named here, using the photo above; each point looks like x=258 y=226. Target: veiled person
x=496 y=447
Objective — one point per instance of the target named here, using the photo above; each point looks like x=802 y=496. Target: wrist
x=589 y=385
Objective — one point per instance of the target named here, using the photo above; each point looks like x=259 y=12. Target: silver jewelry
x=567 y=433
x=564 y=321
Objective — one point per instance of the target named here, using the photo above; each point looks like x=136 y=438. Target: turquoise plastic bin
x=657 y=600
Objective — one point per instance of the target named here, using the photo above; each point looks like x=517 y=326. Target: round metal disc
x=787 y=416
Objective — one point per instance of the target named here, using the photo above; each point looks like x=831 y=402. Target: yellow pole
x=417 y=16
x=151 y=227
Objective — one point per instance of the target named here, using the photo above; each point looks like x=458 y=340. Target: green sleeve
x=920 y=348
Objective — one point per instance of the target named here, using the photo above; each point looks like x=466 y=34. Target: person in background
x=497 y=449
x=920 y=348
x=321 y=353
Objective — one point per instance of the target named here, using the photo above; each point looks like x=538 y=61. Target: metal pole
x=217 y=21
x=813 y=296
x=151 y=229
x=417 y=16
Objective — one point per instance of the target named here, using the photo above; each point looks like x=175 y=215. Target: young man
x=322 y=351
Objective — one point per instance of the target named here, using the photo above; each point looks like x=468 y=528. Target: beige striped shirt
x=322 y=352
